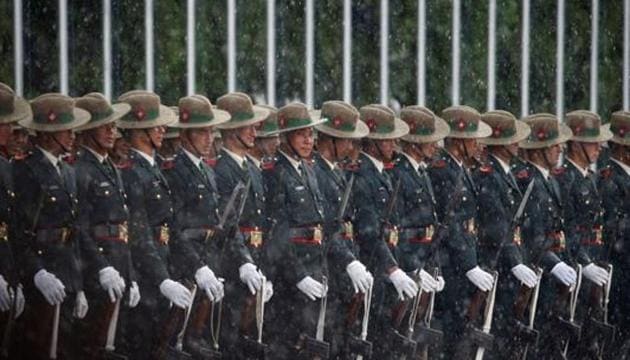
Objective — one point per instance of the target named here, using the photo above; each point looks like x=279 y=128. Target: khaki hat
x=242 y=111
x=196 y=111
x=506 y=129
x=269 y=127
x=101 y=111
x=546 y=131
x=620 y=127
x=171 y=133
x=12 y=107
x=146 y=111
x=424 y=126
x=587 y=126
x=295 y=116
x=342 y=121
x=465 y=123
x=54 y=112
x=382 y=122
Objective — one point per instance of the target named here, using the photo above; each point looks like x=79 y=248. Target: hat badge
x=497 y=131
x=185 y=115
x=52 y=117
x=140 y=114
x=337 y=122
x=371 y=123
x=541 y=134
x=461 y=124
x=282 y=121
x=622 y=131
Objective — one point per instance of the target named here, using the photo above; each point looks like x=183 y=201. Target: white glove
x=564 y=273
x=525 y=275
x=80 y=306
x=404 y=285
x=134 y=295
x=52 y=288
x=441 y=284
x=5 y=299
x=596 y=274
x=111 y=282
x=209 y=283
x=177 y=293
x=361 y=278
x=428 y=282
x=268 y=293
x=481 y=279
x=312 y=288
x=250 y=276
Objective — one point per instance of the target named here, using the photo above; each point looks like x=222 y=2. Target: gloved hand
x=250 y=276
x=312 y=288
x=52 y=288
x=428 y=282
x=80 y=306
x=268 y=291
x=177 y=293
x=209 y=283
x=110 y=281
x=441 y=284
x=361 y=278
x=564 y=273
x=5 y=298
x=404 y=285
x=525 y=275
x=134 y=295
x=481 y=279
x=596 y=274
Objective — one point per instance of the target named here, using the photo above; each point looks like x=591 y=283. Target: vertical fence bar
x=18 y=49
x=107 y=49
x=63 y=46
x=310 y=52
x=148 y=36
x=271 y=52
x=594 y=54
x=190 y=48
x=231 y=45
x=626 y=55
x=525 y=61
x=456 y=51
x=347 y=51
x=492 y=30
x=384 y=52
x=422 y=38
x=560 y=62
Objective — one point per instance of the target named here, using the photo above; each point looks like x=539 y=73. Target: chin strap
x=65 y=150
x=153 y=146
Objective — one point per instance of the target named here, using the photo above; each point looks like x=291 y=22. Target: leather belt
x=111 y=232
x=595 y=233
x=559 y=241
x=306 y=235
x=418 y=235
x=254 y=235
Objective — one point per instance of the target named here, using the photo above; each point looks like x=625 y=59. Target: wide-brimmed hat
x=269 y=127
x=54 y=112
x=295 y=116
x=146 y=111
x=465 y=123
x=424 y=126
x=196 y=111
x=546 y=131
x=506 y=129
x=242 y=111
x=382 y=122
x=12 y=107
x=620 y=127
x=587 y=126
x=342 y=120
x=101 y=111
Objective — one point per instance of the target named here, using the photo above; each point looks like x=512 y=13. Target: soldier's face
x=18 y=142
x=592 y=150
x=5 y=134
x=247 y=135
x=386 y=148
x=65 y=138
x=201 y=139
x=105 y=135
x=344 y=148
x=553 y=154
x=269 y=146
x=472 y=147
x=429 y=149
x=302 y=141
x=156 y=135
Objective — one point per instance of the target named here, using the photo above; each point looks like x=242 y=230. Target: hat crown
x=421 y=120
x=462 y=118
x=379 y=118
x=195 y=108
x=145 y=105
x=239 y=105
x=620 y=124
x=96 y=104
x=340 y=115
x=583 y=123
x=7 y=99
x=53 y=108
x=544 y=127
x=503 y=123
x=271 y=121
x=293 y=115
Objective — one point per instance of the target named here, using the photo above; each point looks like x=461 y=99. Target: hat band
x=543 y=135
x=96 y=116
x=620 y=130
x=592 y=132
x=142 y=115
x=268 y=126
x=53 y=118
x=195 y=118
x=422 y=130
x=502 y=133
x=294 y=122
x=242 y=116
x=337 y=124
x=381 y=128
x=463 y=126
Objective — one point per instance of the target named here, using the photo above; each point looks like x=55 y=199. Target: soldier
x=615 y=192
x=150 y=220
x=267 y=139
x=46 y=227
x=452 y=180
x=349 y=279
x=542 y=233
x=295 y=207
x=377 y=231
x=103 y=221
x=172 y=142
x=499 y=198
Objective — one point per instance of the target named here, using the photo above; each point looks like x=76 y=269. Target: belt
x=347 y=231
x=4 y=232
x=470 y=226
x=111 y=232
x=418 y=235
x=596 y=240
x=254 y=235
x=56 y=235
x=306 y=235
x=391 y=236
x=161 y=234
x=559 y=242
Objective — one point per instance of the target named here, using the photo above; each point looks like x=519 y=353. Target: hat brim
x=483 y=131
x=314 y=123
x=21 y=111
x=604 y=135
x=220 y=117
x=260 y=114
x=266 y=134
x=400 y=129
x=616 y=139
x=522 y=132
x=166 y=117
x=120 y=110
x=564 y=136
x=361 y=130
x=81 y=117
x=441 y=131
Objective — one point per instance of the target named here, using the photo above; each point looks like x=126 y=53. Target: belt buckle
x=392 y=239
x=517 y=236
x=65 y=234
x=209 y=234
x=123 y=232
x=598 y=235
x=164 y=235
x=562 y=243
x=255 y=237
x=428 y=232
x=348 y=230
x=4 y=233
x=470 y=227
x=317 y=234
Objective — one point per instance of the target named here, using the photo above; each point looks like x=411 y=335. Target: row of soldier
x=381 y=244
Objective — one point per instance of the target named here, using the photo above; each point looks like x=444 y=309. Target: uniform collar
x=414 y=164
x=292 y=161
x=377 y=163
x=195 y=159
x=150 y=159
x=236 y=157
x=331 y=165
x=98 y=156
x=457 y=161
x=504 y=166
x=254 y=160
x=542 y=170
x=625 y=167
x=582 y=171
x=48 y=155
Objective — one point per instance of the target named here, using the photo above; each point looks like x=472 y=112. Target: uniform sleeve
x=89 y=250
x=537 y=244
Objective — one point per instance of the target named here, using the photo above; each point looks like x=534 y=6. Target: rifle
x=106 y=326
x=526 y=298
x=317 y=348
x=169 y=329
x=254 y=348
x=8 y=329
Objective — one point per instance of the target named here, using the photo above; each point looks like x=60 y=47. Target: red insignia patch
x=461 y=124
x=371 y=123
x=167 y=165
x=388 y=165
x=496 y=132
x=127 y=164
x=605 y=172
x=337 y=122
x=210 y=162
x=438 y=164
x=541 y=134
x=523 y=174
x=558 y=171
x=282 y=122
x=69 y=159
x=268 y=165
x=485 y=169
